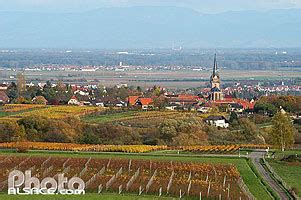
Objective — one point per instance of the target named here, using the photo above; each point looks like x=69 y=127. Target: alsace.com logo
x=25 y=184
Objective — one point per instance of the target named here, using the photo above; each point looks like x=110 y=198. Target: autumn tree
x=214 y=110
x=283 y=131
x=160 y=102
x=183 y=132
x=11 y=131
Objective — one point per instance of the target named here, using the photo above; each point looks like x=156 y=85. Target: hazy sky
x=205 y=6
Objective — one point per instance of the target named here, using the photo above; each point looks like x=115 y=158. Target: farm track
x=256 y=156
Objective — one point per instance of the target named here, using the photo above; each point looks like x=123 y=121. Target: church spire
x=216 y=93
x=214 y=66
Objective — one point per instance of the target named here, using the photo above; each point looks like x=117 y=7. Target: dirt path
x=255 y=157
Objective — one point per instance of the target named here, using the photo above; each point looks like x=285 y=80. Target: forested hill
x=150 y=27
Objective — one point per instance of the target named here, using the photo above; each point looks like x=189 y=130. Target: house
x=171 y=106
x=218 y=121
x=82 y=93
x=74 y=101
x=100 y=104
x=3 y=98
x=183 y=99
x=132 y=100
x=3 y=87
x=110 y=102
x=204 y=109
x=236 y=107
x=84 y=100
x=39 y=100
x=144 y=103
x=122 y=85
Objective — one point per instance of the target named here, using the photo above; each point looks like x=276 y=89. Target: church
x=216 y=97
x=215 y=82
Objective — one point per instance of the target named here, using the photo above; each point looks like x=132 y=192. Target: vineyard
x=57 y=112
x=127 y=148
x=160 y=178
x=134 y=117
x=18 y=111
x=81 y=147
x=222 y=148
x=20 y=107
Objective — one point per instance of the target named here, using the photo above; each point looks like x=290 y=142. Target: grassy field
x=3 y=114
x=141 y=119
x=102 y=118
x=250 y=179
x=289 y=172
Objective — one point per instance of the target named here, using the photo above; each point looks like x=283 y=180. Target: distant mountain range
x=150 y=27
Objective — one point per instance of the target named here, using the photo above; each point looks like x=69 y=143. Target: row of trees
x=186 y=131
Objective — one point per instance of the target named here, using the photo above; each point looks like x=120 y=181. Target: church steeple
x=214 y=66
x=216 y=93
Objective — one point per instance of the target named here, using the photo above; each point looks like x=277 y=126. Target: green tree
x=283 y=131
x=139 y=89
x=12 y=91
x=265 y=108
x=89 y=138
x=249 y=132
x=233 y=117
x=168 y=130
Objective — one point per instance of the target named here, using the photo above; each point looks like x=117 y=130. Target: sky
x=204 y=6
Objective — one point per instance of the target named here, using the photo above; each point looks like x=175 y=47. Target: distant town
x=238 y=97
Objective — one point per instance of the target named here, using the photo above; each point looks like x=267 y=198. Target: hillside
x=150 y=27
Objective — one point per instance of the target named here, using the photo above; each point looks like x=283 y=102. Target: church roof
x=215 y=89
x=215 y=67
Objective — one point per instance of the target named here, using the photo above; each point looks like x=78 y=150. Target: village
x=209 y=100
x=213 y=100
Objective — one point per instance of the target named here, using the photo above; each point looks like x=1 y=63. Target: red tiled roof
x=74 y=97
x=146 y=101
x=132 y=99
x=245 y=104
